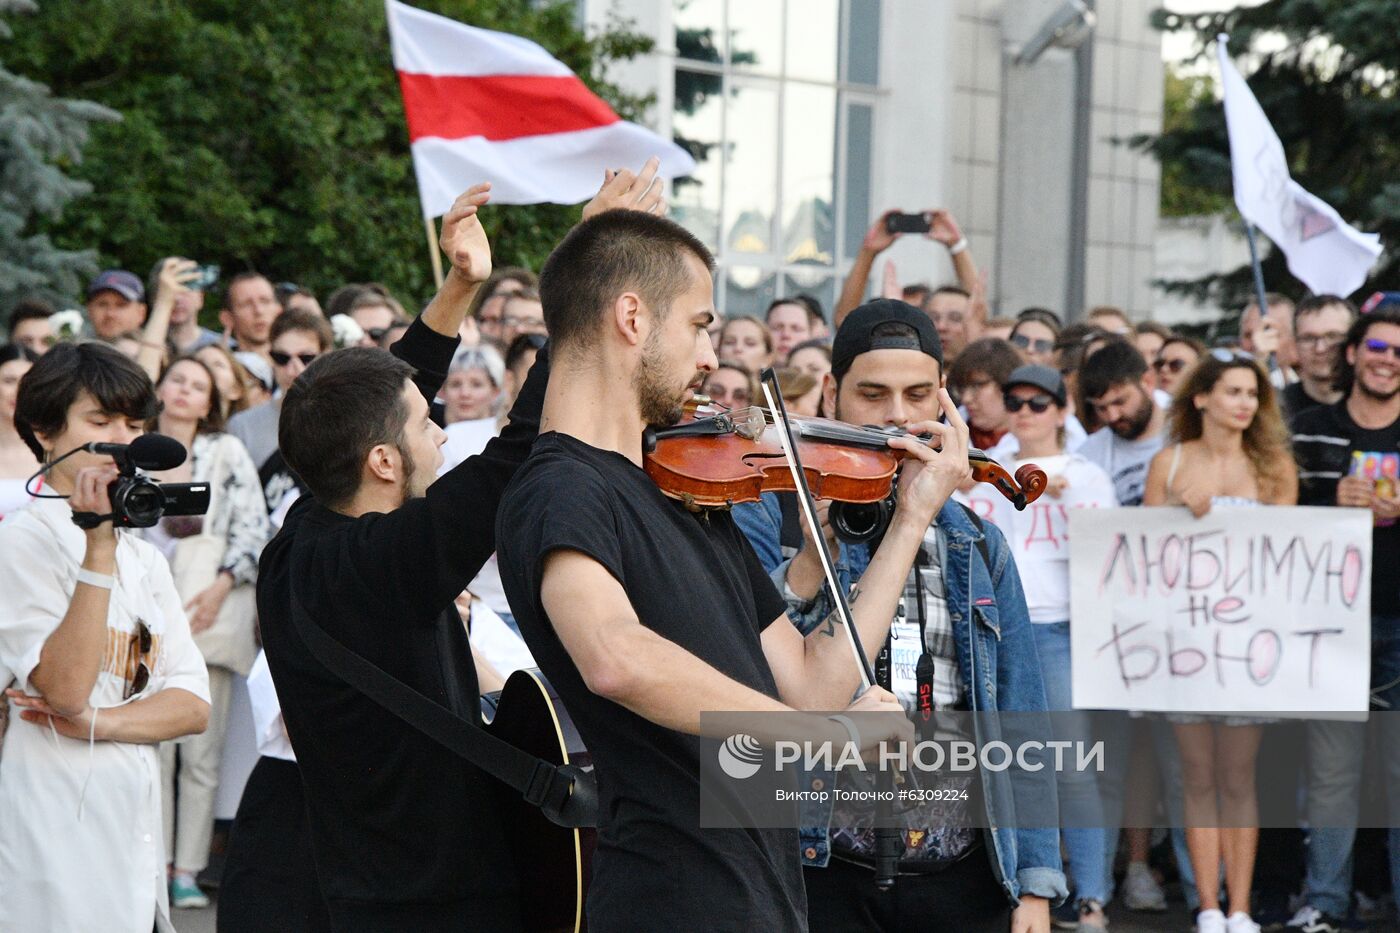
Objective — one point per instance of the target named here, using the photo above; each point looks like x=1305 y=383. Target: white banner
x=1325 y=252
x=1246 y=610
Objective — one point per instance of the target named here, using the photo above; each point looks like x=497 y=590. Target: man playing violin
x=959 y=610
x=645 y=615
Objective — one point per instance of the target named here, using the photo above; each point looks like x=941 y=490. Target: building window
x=775 y=99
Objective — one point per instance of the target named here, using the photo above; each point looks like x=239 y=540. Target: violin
x=715 y=457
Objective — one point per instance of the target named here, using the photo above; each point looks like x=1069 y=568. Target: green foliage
x=1330 y=92
x=39 y=136
x=1182 y=194
x=270 y=135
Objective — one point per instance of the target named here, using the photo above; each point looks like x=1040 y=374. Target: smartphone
x=907 y=223
x=208 y=278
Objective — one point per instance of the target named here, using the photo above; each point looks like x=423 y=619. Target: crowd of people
x=121 y=651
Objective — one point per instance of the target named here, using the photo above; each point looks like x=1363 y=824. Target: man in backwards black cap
x=960 y=615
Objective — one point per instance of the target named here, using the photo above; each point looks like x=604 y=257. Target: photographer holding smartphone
x=98 y=662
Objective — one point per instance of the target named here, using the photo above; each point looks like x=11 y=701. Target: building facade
x=808 y=118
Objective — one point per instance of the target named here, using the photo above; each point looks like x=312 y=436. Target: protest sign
x=1244 y=610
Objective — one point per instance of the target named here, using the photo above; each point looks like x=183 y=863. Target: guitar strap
x=567 y=794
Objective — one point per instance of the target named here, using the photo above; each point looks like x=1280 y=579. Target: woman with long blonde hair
x=1229 y=448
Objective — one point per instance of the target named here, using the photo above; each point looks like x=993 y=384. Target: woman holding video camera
x=98 y=662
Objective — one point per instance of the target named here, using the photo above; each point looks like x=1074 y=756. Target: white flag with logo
x=1326 y=253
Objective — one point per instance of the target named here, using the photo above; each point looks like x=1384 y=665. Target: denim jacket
x=997 y=660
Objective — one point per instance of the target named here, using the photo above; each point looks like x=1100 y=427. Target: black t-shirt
x=407 y=835
x=1294 y=400
x=694 y=580
x=1329 y=445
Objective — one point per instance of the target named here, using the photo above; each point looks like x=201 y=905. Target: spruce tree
x=39 y=136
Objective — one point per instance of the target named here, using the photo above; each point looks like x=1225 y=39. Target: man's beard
x=660 y=404
x=1370 y=393
x=1137 y=424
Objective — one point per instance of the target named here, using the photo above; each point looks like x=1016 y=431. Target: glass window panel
x=750 y=172
x=748 y=290
x=812 y=27
x=696 y=126
x=756 y=35
x=699 y=29
x=809 y=152
x=863 y=42
x=859 y=127
x=815 y=283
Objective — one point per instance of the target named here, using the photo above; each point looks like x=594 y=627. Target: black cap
x=857 y=333
x=1038 y=377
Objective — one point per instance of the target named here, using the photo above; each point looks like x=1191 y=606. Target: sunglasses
x=1034 y=346
x=1381 y=347
x=1171 y=366
x=142 y=678
x=1039 y=403
x=282 y=359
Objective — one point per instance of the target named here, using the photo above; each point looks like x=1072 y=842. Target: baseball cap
x=857 y=333
x=124 y=283
x=1038 y=377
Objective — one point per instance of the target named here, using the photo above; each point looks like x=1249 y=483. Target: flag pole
x=1259 y=284
x=435 y=254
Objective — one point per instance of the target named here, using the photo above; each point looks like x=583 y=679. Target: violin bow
x=769 y=383
x=889 y=843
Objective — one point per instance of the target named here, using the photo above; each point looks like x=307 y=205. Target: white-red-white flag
x=490 y=106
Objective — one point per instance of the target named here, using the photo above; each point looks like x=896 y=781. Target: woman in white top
x=1036 y=400
x=101 y=668
x=17 y=461
x=213 y=556
x=1230 y=448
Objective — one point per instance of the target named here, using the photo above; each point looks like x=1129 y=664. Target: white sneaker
x=1240 y=922
x=1211 y=921
x=1141 y=891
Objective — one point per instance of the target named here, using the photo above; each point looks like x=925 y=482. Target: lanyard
x=923 y=671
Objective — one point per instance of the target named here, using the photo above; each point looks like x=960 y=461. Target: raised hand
x=464 y=239
x=877 y=238
x=174 y=273
x=943 y=228
x=624 y=191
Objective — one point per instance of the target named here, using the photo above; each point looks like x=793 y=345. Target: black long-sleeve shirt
x=407 y=836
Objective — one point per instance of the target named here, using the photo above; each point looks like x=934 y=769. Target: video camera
x=137 y=500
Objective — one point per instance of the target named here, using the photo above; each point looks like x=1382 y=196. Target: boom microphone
x=147 y=452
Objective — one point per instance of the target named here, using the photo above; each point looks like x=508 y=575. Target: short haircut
x=237 y=280
x=1315 y=303
x=606 y=255
x=344 y=405
x=303 y=320
x=991 y=357
x=916 y=294
x=1345 y=373
x=54 y=383
x=1115 y=363
x=29 y=309
x=1187 y=340
x=952 y=290
x=1153 y=327
x=369 y=298
x=1102 y=311
x=805 y=302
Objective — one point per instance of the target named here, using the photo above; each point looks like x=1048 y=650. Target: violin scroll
x=1032 y=481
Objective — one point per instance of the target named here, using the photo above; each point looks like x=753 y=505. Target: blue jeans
x=1091 y=821
x=1336 y=753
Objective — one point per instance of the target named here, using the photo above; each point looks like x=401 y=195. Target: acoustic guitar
x=527 y=714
